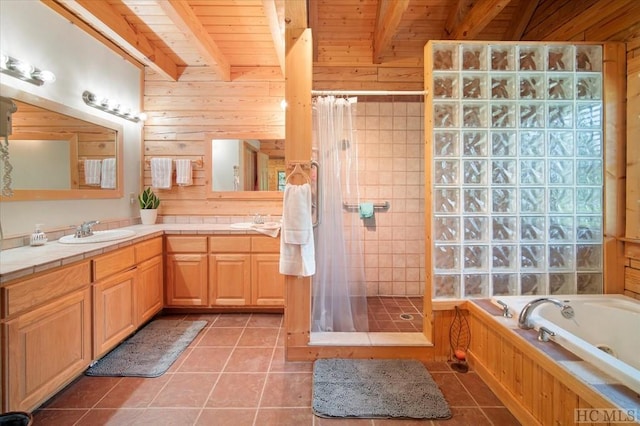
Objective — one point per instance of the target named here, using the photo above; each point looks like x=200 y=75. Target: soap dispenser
x=38 y=238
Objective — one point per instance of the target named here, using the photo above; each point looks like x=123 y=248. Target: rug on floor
x=150 y=352
x=378 y=388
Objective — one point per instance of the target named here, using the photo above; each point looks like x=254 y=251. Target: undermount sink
x=98 y=237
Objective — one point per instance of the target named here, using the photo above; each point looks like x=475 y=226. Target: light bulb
x=44 y=75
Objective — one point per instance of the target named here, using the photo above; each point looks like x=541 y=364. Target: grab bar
x=352 y=206
x=317 y=204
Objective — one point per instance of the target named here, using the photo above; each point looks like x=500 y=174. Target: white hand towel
x=92 y=172
x=297 y=252
x=271 y=231
x=184 y=175
x=161 y=171
x=108 y=173
x=296 y=207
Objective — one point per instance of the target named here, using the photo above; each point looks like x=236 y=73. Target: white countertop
x=23 y=261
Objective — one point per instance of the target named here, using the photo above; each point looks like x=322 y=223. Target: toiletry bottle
x=38 y=238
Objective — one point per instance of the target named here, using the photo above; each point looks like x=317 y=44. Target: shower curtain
x=339 y=289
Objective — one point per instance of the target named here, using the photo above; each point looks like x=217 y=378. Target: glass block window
x=517 y=169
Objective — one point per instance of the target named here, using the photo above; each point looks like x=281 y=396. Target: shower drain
x=406 y=317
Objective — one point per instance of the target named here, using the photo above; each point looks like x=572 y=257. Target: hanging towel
x=184 y=175
x=108 y=173
x=366 y=210
x=296 y=208
x=92 y=172
x=161 y=170
x=297 y=252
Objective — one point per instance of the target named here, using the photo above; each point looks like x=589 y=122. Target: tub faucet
x=524 y=321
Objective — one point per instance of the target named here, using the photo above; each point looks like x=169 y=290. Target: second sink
x=98 y=237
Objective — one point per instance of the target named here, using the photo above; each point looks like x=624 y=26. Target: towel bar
x=197 y=162
x=354 y=206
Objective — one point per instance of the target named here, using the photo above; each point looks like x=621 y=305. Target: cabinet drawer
x=228 y=244
x=148 y=249
x=109 y=264
x=38 y=290
x=186 y=244
x=265 y=245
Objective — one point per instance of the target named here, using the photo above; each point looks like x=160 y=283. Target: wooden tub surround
x=539 y=382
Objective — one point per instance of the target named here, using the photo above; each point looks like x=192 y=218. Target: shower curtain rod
x=367 y=92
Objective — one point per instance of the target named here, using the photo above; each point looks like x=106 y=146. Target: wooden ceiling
x=169 y=35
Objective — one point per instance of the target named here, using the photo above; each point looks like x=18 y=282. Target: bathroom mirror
x=49 y=146
x=247 y=165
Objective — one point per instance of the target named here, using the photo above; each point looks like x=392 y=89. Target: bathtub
x=605 y=331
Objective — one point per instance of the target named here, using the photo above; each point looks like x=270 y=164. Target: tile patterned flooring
x=235 y=373
x=394 y=314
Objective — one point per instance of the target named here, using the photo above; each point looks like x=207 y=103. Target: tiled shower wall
x=391 y=168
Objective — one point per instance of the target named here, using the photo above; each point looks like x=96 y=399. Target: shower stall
x=370 y=147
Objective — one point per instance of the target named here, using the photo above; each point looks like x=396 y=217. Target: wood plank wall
x=185 y=115
x=632 y=246
x=182 y=113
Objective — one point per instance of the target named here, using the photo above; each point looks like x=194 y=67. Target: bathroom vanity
x=64 y=306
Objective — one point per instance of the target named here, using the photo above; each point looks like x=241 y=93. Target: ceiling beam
x=295 y=23
x=521 y=19
x=277 y=32
x=458 y=11
x=314 y=25
x=387 y=21
x=101 y=16
x=466 y=26
x=186 y=20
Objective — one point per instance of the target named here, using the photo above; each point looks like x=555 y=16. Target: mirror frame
x=68 y=194
x=234 y=195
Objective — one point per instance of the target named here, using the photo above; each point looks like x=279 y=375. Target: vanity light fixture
x=112 y=107
x=25 y=71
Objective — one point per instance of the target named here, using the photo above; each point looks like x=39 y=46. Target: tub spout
x=524 y=321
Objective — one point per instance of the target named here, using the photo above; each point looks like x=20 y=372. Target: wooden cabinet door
x=267 y=284
x=230 y=276
x=114 y=313
x=186 y=279
x=45 y=349
x=149 y=287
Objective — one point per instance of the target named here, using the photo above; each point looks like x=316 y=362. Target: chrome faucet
x=523 y=319
x=505 y=309
x=86 y=229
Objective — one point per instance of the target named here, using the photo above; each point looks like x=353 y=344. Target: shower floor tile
x=394 y=314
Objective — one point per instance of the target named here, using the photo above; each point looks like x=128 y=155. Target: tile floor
x=234 y=373
x=394 y=314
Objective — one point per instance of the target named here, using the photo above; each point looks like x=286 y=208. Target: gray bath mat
x=150 y=352
x=377 y=388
